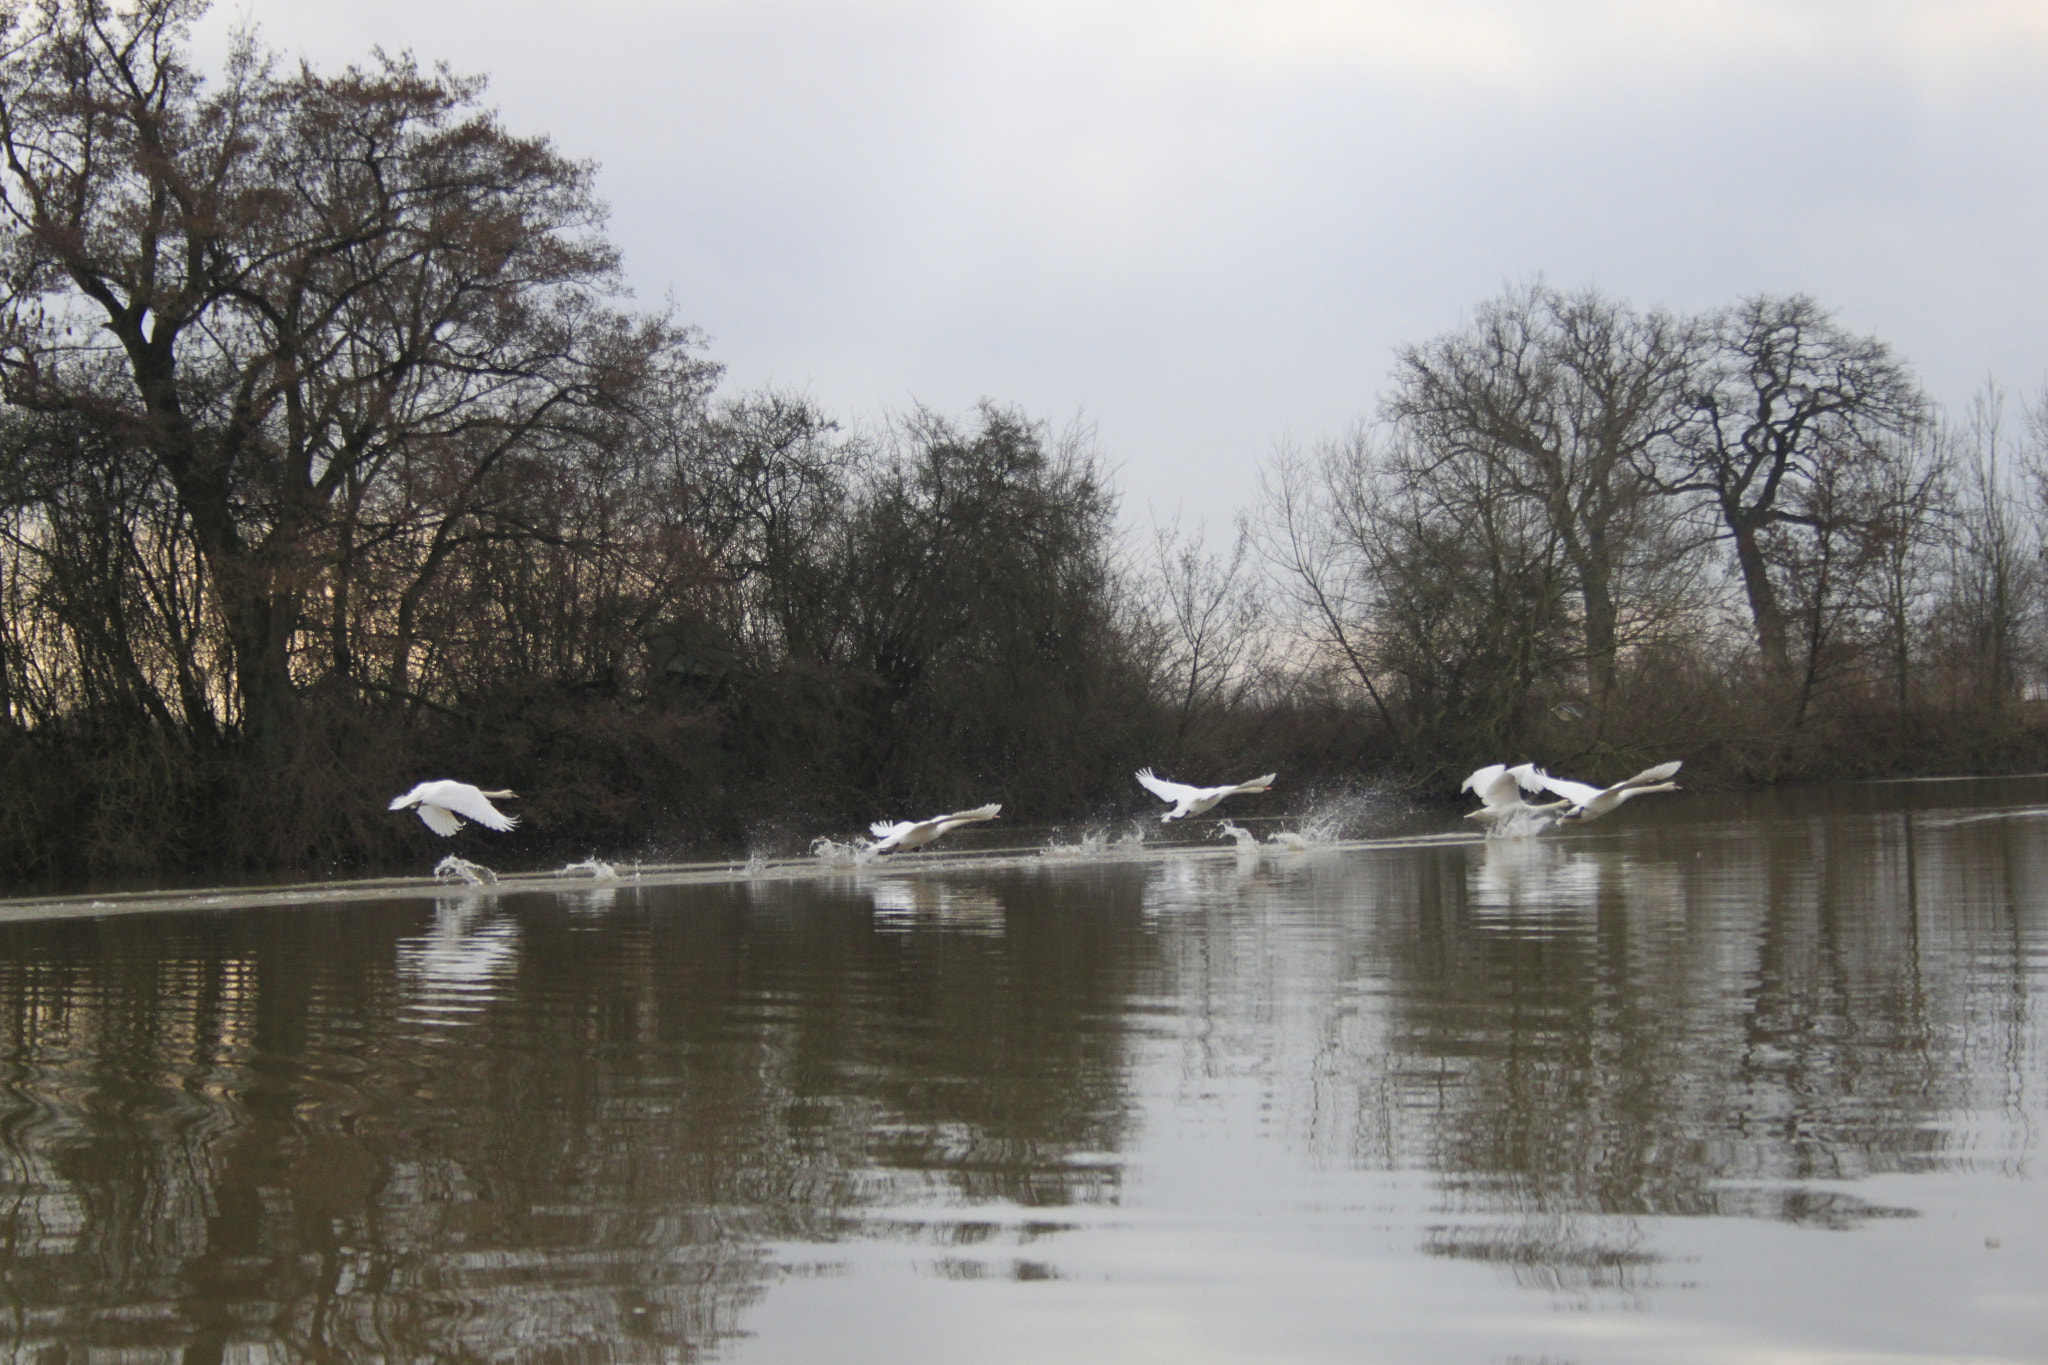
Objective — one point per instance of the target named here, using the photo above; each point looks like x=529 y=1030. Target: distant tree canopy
x=1579 y=529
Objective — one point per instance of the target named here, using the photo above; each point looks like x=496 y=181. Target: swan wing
x=472 y=804
x=888 y=836
x=439 y=820
x=1481 y=780
x=1175 y=792
x=1663 y=772
x=1577 y=793
x=1496 y=787
x=401 y=802
x=965 y=817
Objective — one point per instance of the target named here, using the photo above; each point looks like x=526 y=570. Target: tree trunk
x=1764 y=610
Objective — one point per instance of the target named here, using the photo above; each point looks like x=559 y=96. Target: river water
x=1756 y=1078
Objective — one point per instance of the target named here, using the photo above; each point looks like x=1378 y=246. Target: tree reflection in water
x=260 y=1133
x=603 y=1123
x=1577 y=1036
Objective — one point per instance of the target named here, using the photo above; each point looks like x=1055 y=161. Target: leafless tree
x=1442 y=594
x=1210 y=621
x=1565 y=399
x=342 y=307
x=1986 y=630
x=1784 y=406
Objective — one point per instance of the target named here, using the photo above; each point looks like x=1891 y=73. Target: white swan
x=445 y=805
x=1501 y=789
x=908 y=834
x=1194 y=800
x=1590 y=803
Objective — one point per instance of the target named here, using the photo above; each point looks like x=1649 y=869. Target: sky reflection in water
x=1719 y=1078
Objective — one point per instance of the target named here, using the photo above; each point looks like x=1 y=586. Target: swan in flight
x=1501 y=789
x=1590 y=803
x=445 y=805
x=1194 y=800
x=908 y=834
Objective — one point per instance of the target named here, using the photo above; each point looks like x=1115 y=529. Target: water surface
x=1747 y=1078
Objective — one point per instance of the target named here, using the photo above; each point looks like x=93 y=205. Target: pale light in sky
x=1204 y=226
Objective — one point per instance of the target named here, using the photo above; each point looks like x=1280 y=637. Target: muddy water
x=1759 y=1078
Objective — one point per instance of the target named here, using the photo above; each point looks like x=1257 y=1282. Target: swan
x=445 y=805
x=1194 y=800
x=1502 y=788
x=1590 y=803
x=908 y=834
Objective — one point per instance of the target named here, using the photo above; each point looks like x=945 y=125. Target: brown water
x=1742 y=1079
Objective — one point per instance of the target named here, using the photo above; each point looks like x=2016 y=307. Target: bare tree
x=1441 y=592
x=1785 y=403
x=340 y=305
x=1209 y=616
x=1566 y=399
x=1990 y=612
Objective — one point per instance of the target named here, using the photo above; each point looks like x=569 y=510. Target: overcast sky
x=1204 y=226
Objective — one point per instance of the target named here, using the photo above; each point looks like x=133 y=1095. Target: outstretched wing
x=885 y=829
x=472 y=804
x=439 y=820
x=1661 y=773
x=1483 y=780
x=1496 y=786
x=965 y=817
x=1578 y=793
x=1175 y=792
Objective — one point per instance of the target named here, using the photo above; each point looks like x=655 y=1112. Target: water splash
x=602 y=871
x=1244 y=837
x=452 y=868
x=857 y=853
x=1093 y=843
x=1100 y=843
x=1525 y=823
x=1348 y=814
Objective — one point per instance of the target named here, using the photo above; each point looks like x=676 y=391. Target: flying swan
x=1501 y=789
x=909 y=834
x=1194 y=800
x=1590 y=803
x=445 y=805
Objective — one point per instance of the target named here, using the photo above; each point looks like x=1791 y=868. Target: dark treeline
x=332 y=458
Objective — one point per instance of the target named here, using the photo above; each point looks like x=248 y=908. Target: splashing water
x=1092 y=844
x=1244 y=837
x=832 y=853
x=452 y=868
x=1342 y=816
x=1521 y=824
x=604 y=872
